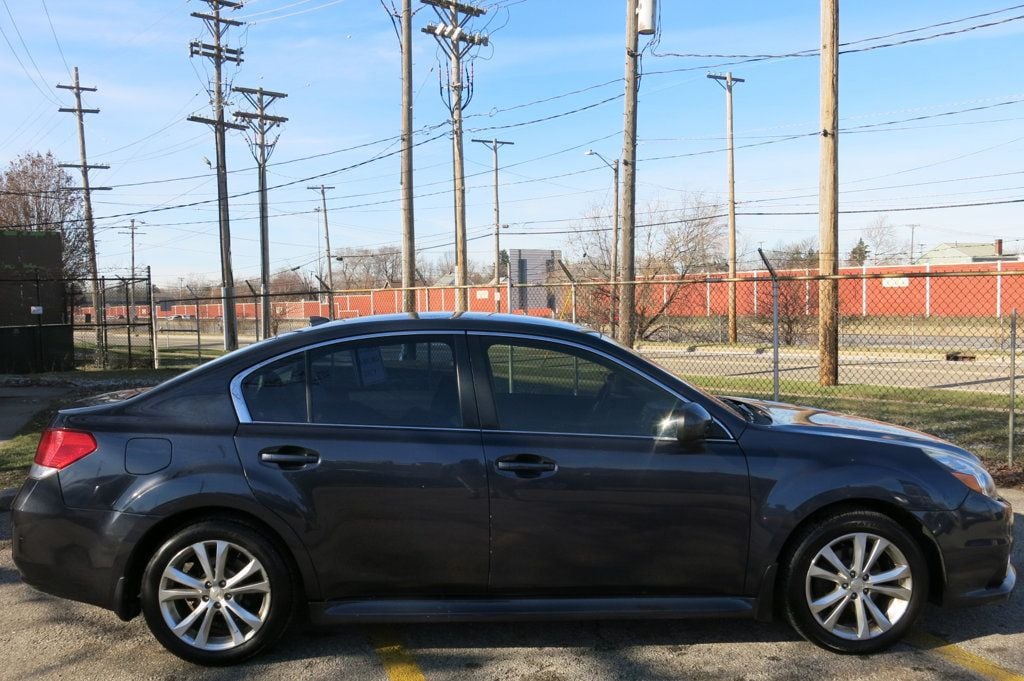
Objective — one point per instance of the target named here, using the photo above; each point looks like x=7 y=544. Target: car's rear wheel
x=855 y=582
x=216 y=593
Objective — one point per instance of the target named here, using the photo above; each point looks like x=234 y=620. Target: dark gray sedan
x=471 y=467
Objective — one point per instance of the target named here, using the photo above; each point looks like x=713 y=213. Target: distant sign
x=482 y=295
x=896 y=282
x=36 y=309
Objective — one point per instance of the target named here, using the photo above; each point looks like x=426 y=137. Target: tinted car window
x=277 y=392
x=385 y=383
x=554 y=389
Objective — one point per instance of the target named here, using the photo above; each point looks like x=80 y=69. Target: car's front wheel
x=217 y=592
x=855 y=582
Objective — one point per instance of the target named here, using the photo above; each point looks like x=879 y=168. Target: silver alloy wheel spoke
x=860 y=547
x=897 y=592
x=214 y=595
x=220 y=557
x=825 y=574
x=828 y=554
x=876 y=551
x=253 y=588
x=883 y=622
x=843 y=572
x=890 y=575
x=828 y=600
x=863 y=629
x=180 y=577
x=204 y=560
x=180 y=594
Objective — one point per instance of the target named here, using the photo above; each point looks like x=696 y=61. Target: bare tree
x=670 y=243
x=37 y=195
x=798 y=300
x=885 y=245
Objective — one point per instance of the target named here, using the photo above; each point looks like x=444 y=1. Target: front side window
x=385 y=383
x=540 y=387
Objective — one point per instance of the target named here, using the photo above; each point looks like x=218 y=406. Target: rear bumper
x=974 y=542
x=77 y=554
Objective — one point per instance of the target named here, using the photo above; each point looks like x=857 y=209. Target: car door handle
x=535 y=467
x=289 y=456
x=526 y=464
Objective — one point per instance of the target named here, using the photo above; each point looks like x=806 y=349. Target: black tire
x=247 y=543
x=799 y=589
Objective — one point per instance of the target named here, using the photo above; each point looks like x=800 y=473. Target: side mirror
x=693 y=423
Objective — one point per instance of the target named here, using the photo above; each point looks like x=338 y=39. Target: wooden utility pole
x=132 y=231
x=218 y=54
x=627 y=297
x=456 y=41
x=828 y=198
x=90 y=230
x=731 y=170
x=261 y=123
x=494 y=144
x=408 y=217
x=327 y=242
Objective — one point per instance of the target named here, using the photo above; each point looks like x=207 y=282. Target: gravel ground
x=48 y=638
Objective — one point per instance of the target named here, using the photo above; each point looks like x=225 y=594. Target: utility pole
x=87 y=190
x=330 y=256
x=451 y=34
x=828 y=198
x=218 y=54
x=494 y=144
x=260 y=123
x=614 y=165
x=913 y=227
x=731 y=170
x=132 y=231
x=627 y=299
x=404 y=29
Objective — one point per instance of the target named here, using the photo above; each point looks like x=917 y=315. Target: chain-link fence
x=934 y=350
x=52 y=324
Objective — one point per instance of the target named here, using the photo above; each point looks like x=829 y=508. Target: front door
x=369 y=449
x=589 y=494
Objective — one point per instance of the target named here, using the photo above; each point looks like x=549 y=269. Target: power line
x=56 y=40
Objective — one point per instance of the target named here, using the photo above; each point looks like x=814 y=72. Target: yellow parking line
x=961 y=657
x=398 y=663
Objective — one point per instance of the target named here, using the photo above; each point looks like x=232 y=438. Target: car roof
x=443 y=320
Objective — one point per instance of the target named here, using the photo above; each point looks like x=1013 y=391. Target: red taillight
x=59 y=448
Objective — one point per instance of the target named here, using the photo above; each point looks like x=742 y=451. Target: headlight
x=966 y=470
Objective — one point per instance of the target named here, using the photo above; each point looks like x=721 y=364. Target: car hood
x=812 y=420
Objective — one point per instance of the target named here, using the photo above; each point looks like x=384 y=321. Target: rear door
x=588 y=494
x=370 y=449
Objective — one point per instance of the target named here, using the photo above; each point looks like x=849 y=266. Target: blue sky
x=339 y=63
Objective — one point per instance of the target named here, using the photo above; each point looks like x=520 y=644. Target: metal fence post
x=1013 y=381
x=152 y=320
x=574 y=302
x=101 y=318
x=128 y=322
x=775 y=325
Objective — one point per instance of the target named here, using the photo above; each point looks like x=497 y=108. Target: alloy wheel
x=859 y=586
x=214 y=595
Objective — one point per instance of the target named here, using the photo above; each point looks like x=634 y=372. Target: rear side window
x=277 y=392
x=380 y=382
x=386 y=383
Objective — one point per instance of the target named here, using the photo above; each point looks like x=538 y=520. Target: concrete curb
x=7 y=498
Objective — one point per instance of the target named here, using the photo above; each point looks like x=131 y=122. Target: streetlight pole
x=614 y=165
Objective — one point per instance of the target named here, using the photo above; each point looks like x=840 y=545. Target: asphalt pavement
x=48 y=638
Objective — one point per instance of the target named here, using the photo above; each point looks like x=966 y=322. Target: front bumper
x=77 y=554
x=974 y=543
